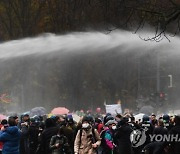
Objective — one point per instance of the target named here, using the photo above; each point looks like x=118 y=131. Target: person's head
x=145 y=118
x=111 y=124
x=118 y=117
x=49 y=123
x=177 y=120
x=110 y=117
x=4 y=122
x=160 y=123
x=107 y=115
x=98 y=120
x=69 y=119
x=16 y=119
x=153 y=117
x=122 y=122
x=86 y=122
x=61 y=119
x=166 y=118
x=26 y=117
x=11 y=121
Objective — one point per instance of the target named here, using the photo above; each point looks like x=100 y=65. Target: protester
x=4 y=123
x=175 y=131
x=33 y=133
x=160 y=129
x=107 y=137
x=10 y=136
x=59 y=144
x=50 y=130
x=87 y=139
x=70 y=130
x=154 y=121
x=122 y=137
x=99 y=125
x=24 y=127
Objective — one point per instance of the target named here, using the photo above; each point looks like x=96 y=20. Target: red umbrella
x=2 y=117
x=60 y=110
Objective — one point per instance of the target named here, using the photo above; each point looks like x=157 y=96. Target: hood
x=12 y=129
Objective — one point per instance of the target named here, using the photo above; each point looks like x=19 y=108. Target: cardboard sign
x=113 y=108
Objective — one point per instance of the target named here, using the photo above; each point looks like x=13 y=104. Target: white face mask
x=113 y=127
x=86 y=125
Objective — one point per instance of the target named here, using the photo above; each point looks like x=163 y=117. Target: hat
x=88 y=119
x=110 y=122
x=106 y=119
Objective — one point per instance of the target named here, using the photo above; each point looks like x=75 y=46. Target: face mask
x=113 y=127
x=86 y=125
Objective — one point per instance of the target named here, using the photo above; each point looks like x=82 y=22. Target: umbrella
x=39 y=111
x=139 y=117
x=2 y=117
x=60 y=110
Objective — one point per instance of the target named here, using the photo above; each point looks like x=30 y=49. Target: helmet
x=166 y=118
x=145 y=118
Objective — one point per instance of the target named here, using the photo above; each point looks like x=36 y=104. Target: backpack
x=93 y=138
x=104 y=147
x=102 y=136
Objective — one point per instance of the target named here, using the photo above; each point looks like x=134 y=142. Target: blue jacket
x=10 y=137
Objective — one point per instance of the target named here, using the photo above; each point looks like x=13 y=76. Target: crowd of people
x=96 y=134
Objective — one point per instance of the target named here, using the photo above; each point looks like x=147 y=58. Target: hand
x=94 y=145
x=2 y=128
x=24 y=124
x=57 y=145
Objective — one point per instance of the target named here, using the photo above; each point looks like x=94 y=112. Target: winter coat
x=70 y=133
x=64 y=147
x=107 y=143
x=122 y=137
x=33 y=137
x=83 y=143
x=24 y=142
x=11 y=139
x=45 y=140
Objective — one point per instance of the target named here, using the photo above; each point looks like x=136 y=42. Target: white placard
x=113 y=108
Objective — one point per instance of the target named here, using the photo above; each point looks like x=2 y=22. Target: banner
x=113 y=108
